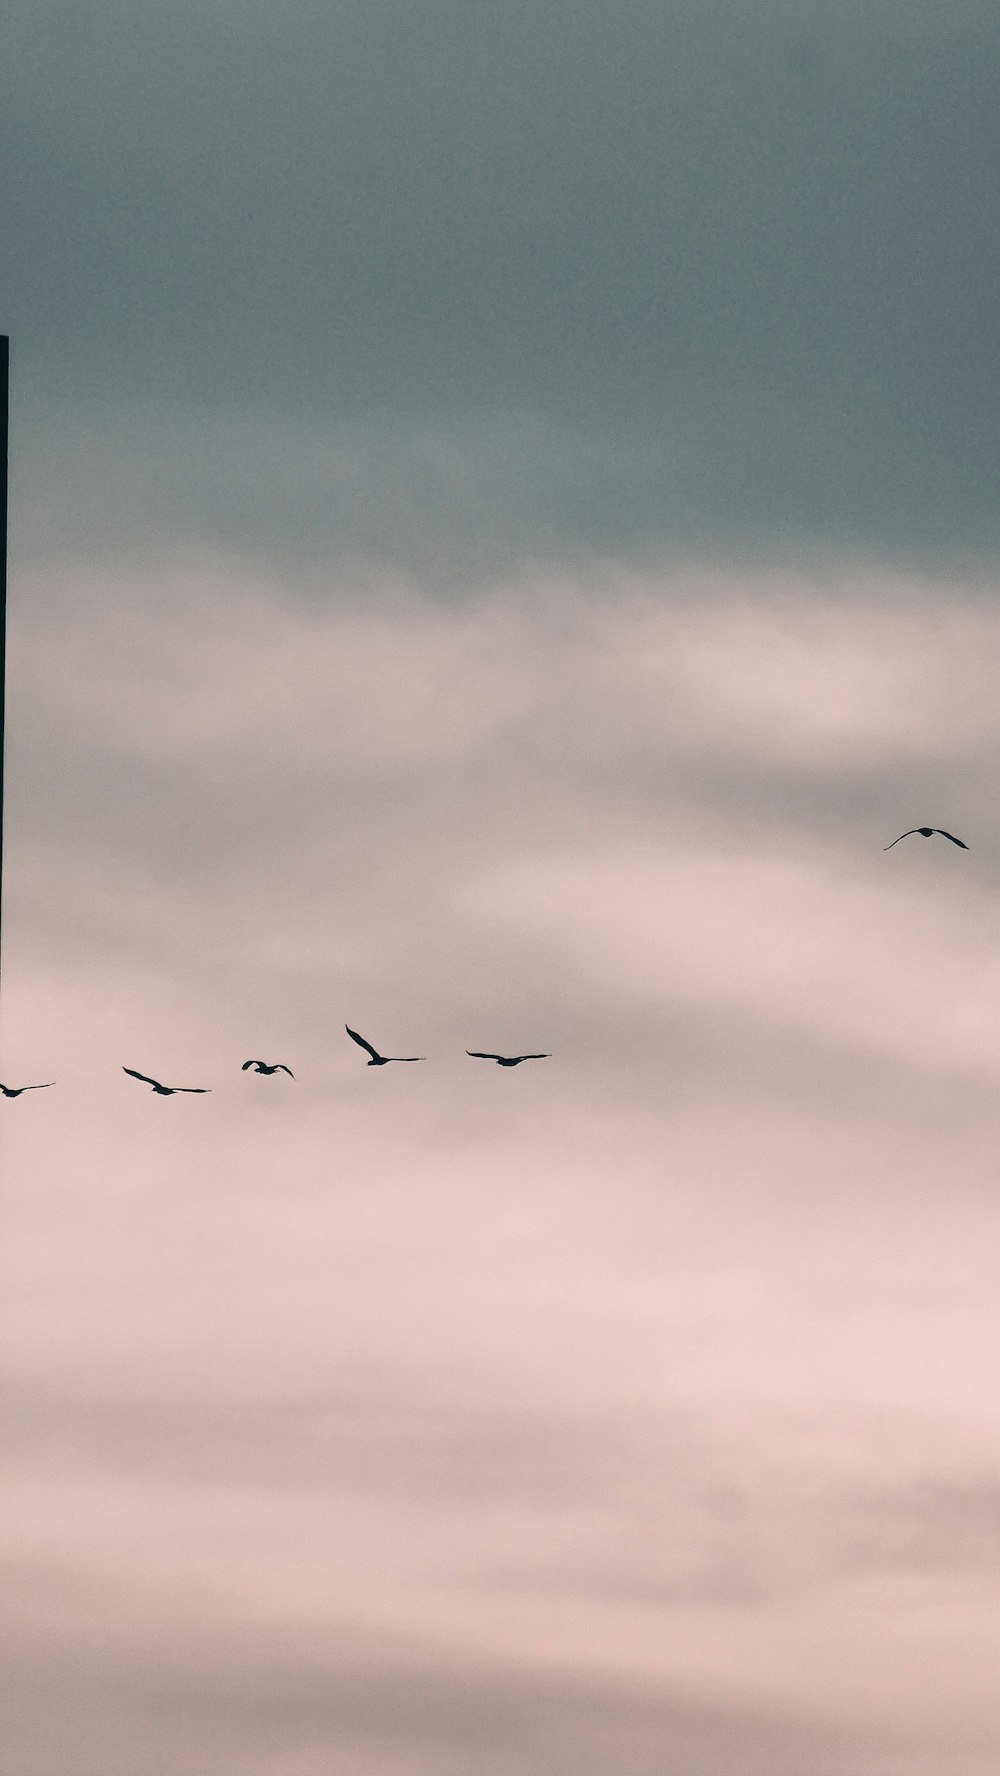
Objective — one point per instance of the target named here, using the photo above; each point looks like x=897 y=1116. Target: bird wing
x=190 y=1088
x=247 y=1064
x=480 y=1054
x=353 y=1034
x=281 y=1068
x=38 y=1088
x=540 y=1057
x=951 y=836
x=406 y=1057
x=143 y=1076
x=906 y=835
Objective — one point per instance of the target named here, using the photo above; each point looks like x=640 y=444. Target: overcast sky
x=503 y=532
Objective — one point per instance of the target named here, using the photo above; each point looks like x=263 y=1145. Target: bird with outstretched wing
x=378 y=1060
x=925 y=833
x=478 y=1054
x=164 y=1091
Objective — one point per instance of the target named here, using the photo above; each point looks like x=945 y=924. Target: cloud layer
x=751 y=256
x=503 y=527
x=628 y=1408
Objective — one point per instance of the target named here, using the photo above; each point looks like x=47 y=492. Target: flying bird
x=925 y=833
x=378 y=1060
x=262 y=1067
x=504 y=1060
x=14 y=1091
x=165 y=1091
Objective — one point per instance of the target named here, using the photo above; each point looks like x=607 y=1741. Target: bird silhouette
x=164 y=1091
x=262 y=1067
x=14 y=1091
x=925 y=833
x=378 y=1060
x=504 y=1060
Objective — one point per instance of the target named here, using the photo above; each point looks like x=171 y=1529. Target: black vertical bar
x=4 y=406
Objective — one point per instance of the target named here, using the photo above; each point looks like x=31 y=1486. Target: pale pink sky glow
x=444 y=1418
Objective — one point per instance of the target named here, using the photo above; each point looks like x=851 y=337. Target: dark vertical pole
x=4 y=381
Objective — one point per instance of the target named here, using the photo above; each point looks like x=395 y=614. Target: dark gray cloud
x=758 y=248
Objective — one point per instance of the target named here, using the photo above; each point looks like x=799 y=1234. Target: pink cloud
x=655 y=1374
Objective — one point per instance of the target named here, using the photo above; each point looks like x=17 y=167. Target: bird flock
x=375 y=1059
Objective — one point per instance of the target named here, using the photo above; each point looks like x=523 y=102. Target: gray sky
x=503 y=534
x=754 y=250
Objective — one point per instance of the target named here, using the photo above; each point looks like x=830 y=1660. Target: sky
x=503 y=533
